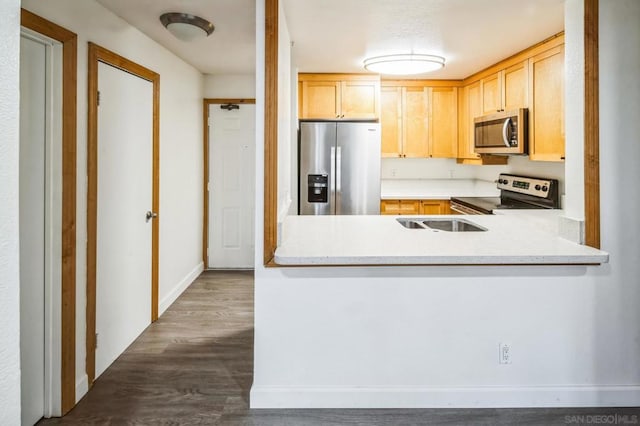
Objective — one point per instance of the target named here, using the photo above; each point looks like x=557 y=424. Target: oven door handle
x=453 y=208
x=462 y=209
x=504 y=132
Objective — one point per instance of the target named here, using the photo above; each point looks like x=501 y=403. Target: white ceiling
x=229 y=50
x=337 y=35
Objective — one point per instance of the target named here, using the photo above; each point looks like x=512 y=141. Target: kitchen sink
x=453 y=225
x=411 y=223
x=448 y=225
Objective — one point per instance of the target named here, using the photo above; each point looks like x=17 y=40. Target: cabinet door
x=516 y=86
x=391 y=207
x=320 y=99
x=443 y=122
x=473 y=108
x=492 y=93
x=436 y=207
x=400 y=207
x=546 y=86
x=360 y=99
x=409 y=207
x=391 y=121
x=415 y=140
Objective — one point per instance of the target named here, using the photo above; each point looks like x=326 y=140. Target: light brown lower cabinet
x=435 y=207
x=415 y=207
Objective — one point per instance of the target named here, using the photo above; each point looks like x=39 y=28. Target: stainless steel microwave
x=504 y=132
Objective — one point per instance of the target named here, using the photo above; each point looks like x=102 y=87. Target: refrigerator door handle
x=332 y=178
x=339 y=170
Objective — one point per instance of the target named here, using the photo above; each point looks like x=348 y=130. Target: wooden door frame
x=99 y=54
x=69 y=42
x=591 y=127
x=206 y=102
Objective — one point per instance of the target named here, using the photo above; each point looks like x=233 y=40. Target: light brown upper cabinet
x=339 y=96
x=418 y=121
x=443 y=117
x=491 y=93
x=391 y=121
x=506 y=89
x=546 y=119
x=515 y=86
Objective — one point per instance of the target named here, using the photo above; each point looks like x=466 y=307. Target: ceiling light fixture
x=404 y=64
x=186 y=27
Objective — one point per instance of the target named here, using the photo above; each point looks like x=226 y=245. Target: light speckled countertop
x=381 y=240
x=436 y=189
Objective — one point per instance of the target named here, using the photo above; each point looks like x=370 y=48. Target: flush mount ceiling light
x=186 y=27
x=406 y=64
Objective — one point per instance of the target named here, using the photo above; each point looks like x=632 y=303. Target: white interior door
x=33 y=89
x=231 y=186
x=123 y=257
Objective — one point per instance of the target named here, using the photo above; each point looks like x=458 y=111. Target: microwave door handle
x=505 y=138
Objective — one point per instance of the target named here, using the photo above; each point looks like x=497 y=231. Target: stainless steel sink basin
x=453 y=225
x=448 y=225
x=411 y=223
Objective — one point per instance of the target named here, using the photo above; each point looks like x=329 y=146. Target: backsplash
x=445 y=168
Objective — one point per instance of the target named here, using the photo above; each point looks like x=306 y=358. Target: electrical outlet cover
x=504 y=353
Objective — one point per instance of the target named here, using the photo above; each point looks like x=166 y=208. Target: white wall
x=285 y=123
x=445 y=168
x=181 y=92
x=9 y=249
x=574 y=107
x=231 y=86
x=428 y=336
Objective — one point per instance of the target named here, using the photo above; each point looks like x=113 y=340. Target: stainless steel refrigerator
x=339 y=168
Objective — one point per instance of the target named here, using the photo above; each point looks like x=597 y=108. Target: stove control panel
x=526 y=185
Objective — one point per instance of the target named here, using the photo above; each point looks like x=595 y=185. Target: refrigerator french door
x=339 y=168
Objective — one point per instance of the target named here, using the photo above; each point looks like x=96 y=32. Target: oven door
x=458 y=208
x=501 y=133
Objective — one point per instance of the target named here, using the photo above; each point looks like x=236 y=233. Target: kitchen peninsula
x=382 y=240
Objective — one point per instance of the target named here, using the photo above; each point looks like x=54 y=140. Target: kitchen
x=423 y=142
x=428 y=336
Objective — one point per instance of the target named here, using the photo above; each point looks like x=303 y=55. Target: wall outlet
x=393 y=172
x=504 y=353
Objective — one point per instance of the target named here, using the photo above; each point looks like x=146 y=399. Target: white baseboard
x=82 y=387
x=178 y=289
x=431 y=397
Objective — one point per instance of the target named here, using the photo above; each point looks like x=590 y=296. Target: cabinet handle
x=337 y=115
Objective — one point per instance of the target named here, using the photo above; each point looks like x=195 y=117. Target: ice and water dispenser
x=317 y=188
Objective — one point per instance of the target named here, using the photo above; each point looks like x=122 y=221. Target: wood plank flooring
x=194 y=366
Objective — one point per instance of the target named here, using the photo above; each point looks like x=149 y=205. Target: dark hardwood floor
x=195 y=364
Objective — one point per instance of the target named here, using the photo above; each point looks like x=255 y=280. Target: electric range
x=516 y=192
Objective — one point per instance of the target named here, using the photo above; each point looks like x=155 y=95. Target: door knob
x=151 y=215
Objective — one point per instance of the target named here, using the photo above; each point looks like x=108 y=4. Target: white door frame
x=206 y=102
